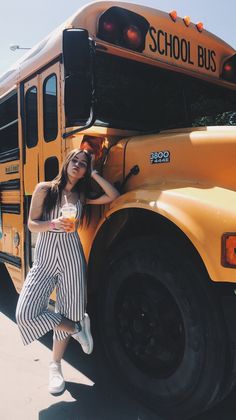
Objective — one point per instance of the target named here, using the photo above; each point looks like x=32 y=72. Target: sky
x=27 y=22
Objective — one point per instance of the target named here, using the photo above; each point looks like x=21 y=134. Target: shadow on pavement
x=8 y=295
x=91 y=403
x=107 y=399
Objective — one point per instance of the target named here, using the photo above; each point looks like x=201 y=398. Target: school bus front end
x=187 y=176
x=159 y=91
x=167 y=272
x=162 y=259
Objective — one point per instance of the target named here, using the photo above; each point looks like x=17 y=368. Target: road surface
x=92 y=392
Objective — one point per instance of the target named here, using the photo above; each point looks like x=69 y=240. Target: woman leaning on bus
x=59 y=262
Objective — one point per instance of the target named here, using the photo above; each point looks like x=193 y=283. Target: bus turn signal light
x=228 y=250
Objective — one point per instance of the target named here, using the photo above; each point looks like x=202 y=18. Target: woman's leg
x=32 y=314
x=56 y=378
x=58 y=349
x=66 y=325
x=72 y=293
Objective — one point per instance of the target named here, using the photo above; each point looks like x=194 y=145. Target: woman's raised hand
x=92 y=162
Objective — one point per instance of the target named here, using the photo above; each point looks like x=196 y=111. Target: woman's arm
x=36 y=211
x=110 y=192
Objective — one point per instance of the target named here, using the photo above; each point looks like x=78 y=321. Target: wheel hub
x=149 y=325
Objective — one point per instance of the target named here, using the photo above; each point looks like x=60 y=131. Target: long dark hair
x=82 y=187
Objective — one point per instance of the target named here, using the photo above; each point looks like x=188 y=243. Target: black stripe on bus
x=23 y=119
x=10 y=208
x=9 y=95
x=12 y=184
x=10 y=259
x=27 y=241
x=9 y=155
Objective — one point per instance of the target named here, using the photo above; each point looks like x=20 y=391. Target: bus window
x=138 y=96
x=51 y=168
x=8 y=123
x=209 y=104
x=31 y=117
x=50 y=108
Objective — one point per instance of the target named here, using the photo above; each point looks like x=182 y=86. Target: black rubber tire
x=194 y=384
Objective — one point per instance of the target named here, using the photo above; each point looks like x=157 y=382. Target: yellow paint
x=202 y=213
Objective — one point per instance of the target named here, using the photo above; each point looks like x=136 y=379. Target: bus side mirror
x=78 y=67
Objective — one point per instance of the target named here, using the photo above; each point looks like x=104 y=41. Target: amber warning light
x=199 y=26
x=173 y=15
x=187 y=20
x=228 y=250
x=124 y=28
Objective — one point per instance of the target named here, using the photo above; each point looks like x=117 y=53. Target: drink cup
x=69 y=212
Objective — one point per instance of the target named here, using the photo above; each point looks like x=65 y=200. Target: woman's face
x=77 y=166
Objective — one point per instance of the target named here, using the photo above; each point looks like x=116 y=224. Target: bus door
x=42 y=134
x=42 y=138
x=31 y=143
x=52 y=142
x=32 y=147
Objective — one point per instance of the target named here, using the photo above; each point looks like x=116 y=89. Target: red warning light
x=123 y=28
x=108 y=26
x=133 y=37
x=109 y=30
x=228 y=67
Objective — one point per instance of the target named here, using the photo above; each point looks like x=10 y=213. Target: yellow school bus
x=156 y=93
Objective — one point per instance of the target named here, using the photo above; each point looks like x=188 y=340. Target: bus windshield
x=133 y=95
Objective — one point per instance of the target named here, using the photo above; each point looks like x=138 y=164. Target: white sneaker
x=84 y=336
x=56 y=380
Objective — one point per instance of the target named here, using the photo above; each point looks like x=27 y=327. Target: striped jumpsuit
x=59 y=263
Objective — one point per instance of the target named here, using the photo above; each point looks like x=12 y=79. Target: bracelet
x=94 y=171
x=52 y=225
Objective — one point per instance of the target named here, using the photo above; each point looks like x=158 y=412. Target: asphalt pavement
x=92 y=393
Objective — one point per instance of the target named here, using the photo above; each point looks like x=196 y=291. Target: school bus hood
x=205 y=155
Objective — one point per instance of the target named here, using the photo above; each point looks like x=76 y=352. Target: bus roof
x=167 y=42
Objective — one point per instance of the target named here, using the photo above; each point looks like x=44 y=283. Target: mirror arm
x=89 y=124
